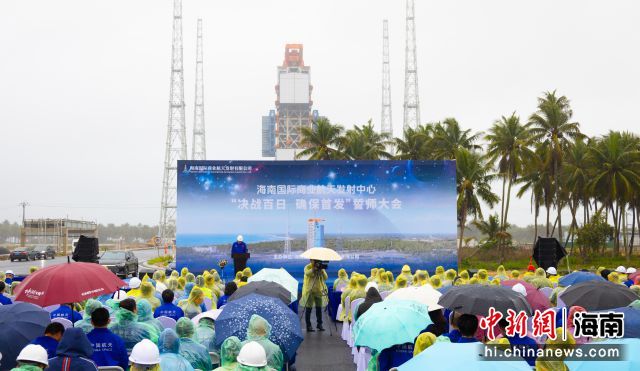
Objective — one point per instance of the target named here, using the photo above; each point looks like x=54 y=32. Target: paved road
x=22 y=267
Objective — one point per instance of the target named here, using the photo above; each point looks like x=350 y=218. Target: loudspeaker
x=547 y=252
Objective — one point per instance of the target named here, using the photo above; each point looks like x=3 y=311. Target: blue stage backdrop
x=374 y=213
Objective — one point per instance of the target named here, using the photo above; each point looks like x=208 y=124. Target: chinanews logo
x=35 y=294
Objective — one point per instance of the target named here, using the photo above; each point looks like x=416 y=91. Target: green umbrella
x=389 y=323
x=279 y=276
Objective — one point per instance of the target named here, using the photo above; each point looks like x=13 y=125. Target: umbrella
x=477 y=299
x=388 y=323
x=630 y=362
x=631 y=321
x=321 y=253
x=598 y=295
x=547 y=252
x=234 y=321
x=265 y=288
x=426 y=295
x=280 y=276
x=20 y=323
x=213 y=314
x=67 y=283
x=535 y=298
x=578 y=277
x=633 y=276
x=458 y=357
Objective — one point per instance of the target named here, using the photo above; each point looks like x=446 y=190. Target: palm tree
x=551 y=126
x=448 y=137
x=473 y=186
x=616 y=176
x=508 y=149
x=321 y=141
x=364 y=143
x=414 y=145
x=537 y=180
x=576 y=174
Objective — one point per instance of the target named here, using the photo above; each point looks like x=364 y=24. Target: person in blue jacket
x=108 y=348
x=168 y=309
x=52 y=335
x=229 y=288
x=395 y=356
x=454 y=333
x=66 y=311
x=239 y=247
x=3 y=299
x=521 y=342
x=467 y=325
x=74 y=352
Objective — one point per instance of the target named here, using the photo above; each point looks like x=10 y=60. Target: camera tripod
x=325 y=310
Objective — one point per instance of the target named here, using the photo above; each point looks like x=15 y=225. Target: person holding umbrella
x=314 y=292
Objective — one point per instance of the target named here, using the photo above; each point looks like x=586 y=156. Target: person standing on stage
x=239 y=253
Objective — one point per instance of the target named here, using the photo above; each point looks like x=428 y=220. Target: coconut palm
x=473 y=186
x=551 y=126
x=576 y=174
x=448 y=137
x=508 y=147
x=414 y=144
x=321 y=141
x=364 y=143
x=616 y=177
x=537 y=180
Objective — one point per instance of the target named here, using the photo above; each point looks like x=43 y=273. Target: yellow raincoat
x=210 y=283
x=147 y=291
x=184 y=271
x=190 y=277
x=423 y=278
x=384 y=285
x=435 y=282
x=406 y=273
x=191 y=306
x=501 y=273
x=353 y=284
x=540 y=280
x=374 y=275
x=483 y=277
x=238 y=278
x=390 y=277
x=557 y=364
x=201 y=285
x=401 y=282
x=495 y=281
x=515 y=274
x=449 y=277
x=423 y=341
x=342 y=279
x=440 y=272
x=247 y=272
x=314 y=288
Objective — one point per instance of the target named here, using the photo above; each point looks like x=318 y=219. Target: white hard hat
x=552 y=271
x=252 y=354
x=631 y=270
x=145 y=353
x=621 y=269
x=519 y=288
x=9 y=271
x=119 y=295
x=370 y=285
x=240 y=238
x=134 y=283
x=34 y=353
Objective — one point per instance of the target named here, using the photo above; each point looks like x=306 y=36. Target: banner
x=373 y=213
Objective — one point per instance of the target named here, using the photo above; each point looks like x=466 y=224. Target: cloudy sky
x=84 y=87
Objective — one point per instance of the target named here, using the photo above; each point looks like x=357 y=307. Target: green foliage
x=593 y=235
x=161 y=260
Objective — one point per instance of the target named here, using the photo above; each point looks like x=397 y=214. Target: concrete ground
x=320 y=352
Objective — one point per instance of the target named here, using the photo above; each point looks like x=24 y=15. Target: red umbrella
x=535 y=298
x=67 y=283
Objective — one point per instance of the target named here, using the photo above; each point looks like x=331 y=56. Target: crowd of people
x=122 y=329
x=456 y=327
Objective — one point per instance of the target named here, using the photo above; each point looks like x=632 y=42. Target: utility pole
x=176 y=144
x=386 y=126
x=199 y=149
x=411 y=92
x=24 y=205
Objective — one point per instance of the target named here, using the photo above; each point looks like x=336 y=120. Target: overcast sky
x=84 y=84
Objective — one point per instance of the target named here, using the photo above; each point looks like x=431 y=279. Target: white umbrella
x=213 y=314
x=426 y=295
x=321 y=253
x=279 y=276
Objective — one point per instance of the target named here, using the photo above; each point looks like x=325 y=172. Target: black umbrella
x=19 y=324
x=598 y=295
x=547 y=252
x=477 y=299
x=266 y=288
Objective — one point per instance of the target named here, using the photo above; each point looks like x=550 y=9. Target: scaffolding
x=56 y=232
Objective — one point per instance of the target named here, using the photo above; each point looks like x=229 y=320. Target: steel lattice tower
x=176 y=146
x=199 y=149
x=411 y=92
x=386 y=125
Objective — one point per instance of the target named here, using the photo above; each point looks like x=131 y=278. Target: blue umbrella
x=20 y=323
x=630 y=362
x=577 y=277
x=631 y=321
x=454 y=356
x=285 y=325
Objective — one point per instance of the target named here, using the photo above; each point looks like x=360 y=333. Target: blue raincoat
x=170 y=358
